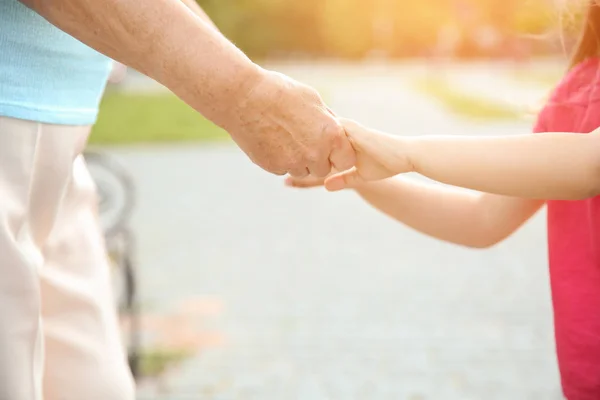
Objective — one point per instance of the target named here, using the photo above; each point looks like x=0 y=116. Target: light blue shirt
x=45 y=74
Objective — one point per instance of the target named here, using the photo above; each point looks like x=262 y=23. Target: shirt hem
x=55 y=117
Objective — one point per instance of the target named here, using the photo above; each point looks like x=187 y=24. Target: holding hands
x=285 y=127
x=550 y=165
x=378 y=156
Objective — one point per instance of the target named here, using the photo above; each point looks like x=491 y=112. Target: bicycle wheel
x=115 y=191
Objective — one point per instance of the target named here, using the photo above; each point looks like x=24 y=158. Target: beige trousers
x=59 y=336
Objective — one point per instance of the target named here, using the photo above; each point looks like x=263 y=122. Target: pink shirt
x=574 y=243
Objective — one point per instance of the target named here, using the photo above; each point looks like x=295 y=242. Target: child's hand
x=378 y=156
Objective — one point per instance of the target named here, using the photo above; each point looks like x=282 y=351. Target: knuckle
x=310 y=93
x=295 y=164
x=313 y=156
x=332 y=130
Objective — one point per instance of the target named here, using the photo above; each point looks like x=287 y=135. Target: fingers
x=354 y=131
x=320 y=168
x=299 y=172
x=307 y=182
x=343 y=180
x=342 y=156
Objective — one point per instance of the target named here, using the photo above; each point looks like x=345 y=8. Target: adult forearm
x=163 y=40
x=196 y=9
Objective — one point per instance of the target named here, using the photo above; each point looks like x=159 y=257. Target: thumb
x=343 y=180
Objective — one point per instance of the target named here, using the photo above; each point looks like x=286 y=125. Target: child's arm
x=541 y=166
x=451 y=214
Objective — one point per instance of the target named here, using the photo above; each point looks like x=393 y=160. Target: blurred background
x=245 y=289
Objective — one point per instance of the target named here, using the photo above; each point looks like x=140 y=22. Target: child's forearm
x=450 y=214
x=442 y=213
x=542 y=166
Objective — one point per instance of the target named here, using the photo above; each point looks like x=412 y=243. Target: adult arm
x=282 y=125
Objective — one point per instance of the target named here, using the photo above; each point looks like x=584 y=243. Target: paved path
x=324 y=298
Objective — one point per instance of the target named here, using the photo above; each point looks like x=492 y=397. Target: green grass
x=154 y=363
x=149 y=118
x=464 y=104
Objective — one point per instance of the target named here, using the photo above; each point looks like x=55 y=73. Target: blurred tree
x=263 y=27
x=416 y=28
x=354 y=28
x=347 y=27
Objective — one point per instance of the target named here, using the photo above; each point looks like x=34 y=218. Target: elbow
x=481 y=245
x=486 y=227
x=487 y=231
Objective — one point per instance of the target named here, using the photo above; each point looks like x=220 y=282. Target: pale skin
x=513 y=176
x=195 y=8
x=282 y=125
